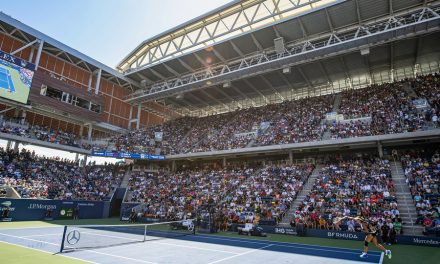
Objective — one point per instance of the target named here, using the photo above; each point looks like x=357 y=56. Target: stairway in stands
x=409 y=90
x=337 y=102
x=301 y=195
x=326 y=135
x=405 y=201
x=126 y=179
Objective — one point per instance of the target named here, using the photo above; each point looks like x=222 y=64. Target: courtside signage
x=127 y=155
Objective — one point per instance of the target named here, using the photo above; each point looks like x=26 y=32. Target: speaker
x=279 y=45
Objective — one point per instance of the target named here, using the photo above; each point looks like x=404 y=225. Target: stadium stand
x=422 y=170
x=368 y=111
x=41 y=178
x=248 y=131
x=245 y=195
x=350 y=187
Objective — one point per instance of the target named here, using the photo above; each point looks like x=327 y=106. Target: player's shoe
x=388 y=253
x=364 y=255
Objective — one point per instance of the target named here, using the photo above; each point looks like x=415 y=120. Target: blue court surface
x=5 y=80
x=192 y=249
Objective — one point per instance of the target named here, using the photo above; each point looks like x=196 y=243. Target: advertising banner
x=33 y=209
x=121 y=155
x=66 y=213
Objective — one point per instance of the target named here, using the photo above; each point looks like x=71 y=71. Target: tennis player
x=371 y=231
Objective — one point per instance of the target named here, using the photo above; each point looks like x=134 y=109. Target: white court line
x=163 y=243
x=30 y=227
x=57 y=234
x=48 y=252
x=381 y=258
x=289 y=246
x=241 y=254
x=279 y=243
x=97 y=252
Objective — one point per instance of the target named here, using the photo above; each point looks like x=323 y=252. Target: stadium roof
x=222 y=23
x=357 y=42
x=27 y=35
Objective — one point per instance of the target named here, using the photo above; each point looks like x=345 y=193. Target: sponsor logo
x=63 y=212
x=280 y=230
x=86 y=204
x=287 y=231
x=426 y=241
x=73 y=237
x=7 y=203
x=42 y=206
x=342 y=235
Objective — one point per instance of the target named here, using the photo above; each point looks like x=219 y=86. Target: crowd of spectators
x=240 y=195
x=15 y=127
x=297 y=121
x=265 y=196
x=349 y=129
x=375 y=110
x=386 y=108
x=242 y=128
x=422 y=171
x=170 y=195
x=145 y=141
x=428 y=87
x=55 y=136
x=14 y=130
x=40 y=178
x=360 y=186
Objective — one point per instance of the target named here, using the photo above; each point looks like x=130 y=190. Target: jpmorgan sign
x=42 y=206
x=34 y=209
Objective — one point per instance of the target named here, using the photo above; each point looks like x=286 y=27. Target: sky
x=106 y=30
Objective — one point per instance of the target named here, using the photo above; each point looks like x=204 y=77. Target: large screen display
x=15 y=77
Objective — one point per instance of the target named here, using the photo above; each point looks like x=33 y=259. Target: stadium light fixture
x=365 y=51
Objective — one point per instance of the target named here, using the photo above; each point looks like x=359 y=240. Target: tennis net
x=98 y=236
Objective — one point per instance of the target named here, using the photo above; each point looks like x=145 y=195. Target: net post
x=145 y=232
x=64 y=238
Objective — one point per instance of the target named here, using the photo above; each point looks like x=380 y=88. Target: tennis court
x=5 y=80
x=127 y=246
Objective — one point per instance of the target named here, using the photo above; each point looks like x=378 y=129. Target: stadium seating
x=169 y=195
x=350 y=187
x=387 y=108
x=41 y=178
x=265 y=197
x=243 y=195
x=57 y=137
x=423 y=176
